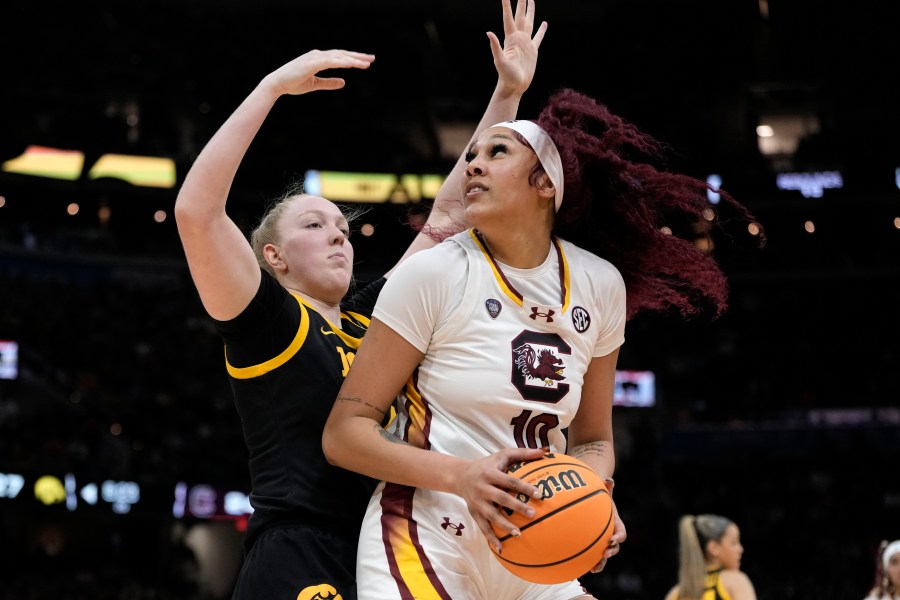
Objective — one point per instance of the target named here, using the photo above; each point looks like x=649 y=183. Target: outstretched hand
x=516 y=58
x=301 y=75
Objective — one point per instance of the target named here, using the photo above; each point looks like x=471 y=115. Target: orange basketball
x=571 y=526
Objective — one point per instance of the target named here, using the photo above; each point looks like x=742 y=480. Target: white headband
x=892 y=549
x=546 y=152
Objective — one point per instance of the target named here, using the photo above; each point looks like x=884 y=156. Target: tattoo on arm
x=390 y=436
x=360 y=401
x=589 y=449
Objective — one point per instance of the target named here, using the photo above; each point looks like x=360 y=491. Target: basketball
x=571 y=527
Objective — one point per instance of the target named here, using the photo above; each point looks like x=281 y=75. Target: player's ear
x=545 y=187
x=713 y=548
x=272 y=254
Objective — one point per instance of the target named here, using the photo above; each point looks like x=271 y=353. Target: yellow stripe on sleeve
x=273 y=363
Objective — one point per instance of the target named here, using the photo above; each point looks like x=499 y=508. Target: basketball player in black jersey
x=290 y=335
x=710 y=554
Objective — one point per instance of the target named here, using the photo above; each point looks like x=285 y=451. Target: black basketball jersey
x=713 y=589
x=286 y=364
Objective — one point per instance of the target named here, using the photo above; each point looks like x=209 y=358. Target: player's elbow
x=332 y=447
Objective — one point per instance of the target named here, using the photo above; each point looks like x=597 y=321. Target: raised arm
x=515 y=61
x=221 y=261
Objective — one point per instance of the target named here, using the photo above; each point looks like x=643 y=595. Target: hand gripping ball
x=571 y=527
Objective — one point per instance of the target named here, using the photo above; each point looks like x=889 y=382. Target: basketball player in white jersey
x=504 y=340
x=509 y=347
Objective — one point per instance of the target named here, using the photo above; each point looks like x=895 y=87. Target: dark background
x=783 y=414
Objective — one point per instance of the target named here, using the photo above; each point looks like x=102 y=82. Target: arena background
x=122 y=468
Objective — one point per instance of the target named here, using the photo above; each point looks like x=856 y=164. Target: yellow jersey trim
x=497 y=275
x=273 y=363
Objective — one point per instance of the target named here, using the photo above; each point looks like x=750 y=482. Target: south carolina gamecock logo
x=538 y=358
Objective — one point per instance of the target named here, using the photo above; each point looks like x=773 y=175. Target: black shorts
x=298 y=562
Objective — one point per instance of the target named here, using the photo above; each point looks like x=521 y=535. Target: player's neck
x=518 y=251
x=332 y=312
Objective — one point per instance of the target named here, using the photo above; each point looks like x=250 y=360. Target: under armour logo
x=547 y=316
x=456 y=527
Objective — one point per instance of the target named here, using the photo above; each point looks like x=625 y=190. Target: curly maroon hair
x=617 y=200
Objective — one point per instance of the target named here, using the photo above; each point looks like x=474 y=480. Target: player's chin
x=484 y=219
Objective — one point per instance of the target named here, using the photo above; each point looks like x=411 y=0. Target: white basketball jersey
x=500 y=370
x=505 y=355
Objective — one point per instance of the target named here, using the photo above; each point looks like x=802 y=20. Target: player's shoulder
x=438 y=266
x=737 y=581
x=733 y=575
x=440 y=256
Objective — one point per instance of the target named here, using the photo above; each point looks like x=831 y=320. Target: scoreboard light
x=49 y=490
x=120 y=494
x=346 y=186
x=715 y=181
x=43 y=161
x=11 y=484
x=635 y=388
x=203 y=501
x=811 y=185
x=147 y=171
x=9 y=359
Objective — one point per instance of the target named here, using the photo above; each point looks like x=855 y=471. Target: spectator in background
x=710 y=554
x=887 y=572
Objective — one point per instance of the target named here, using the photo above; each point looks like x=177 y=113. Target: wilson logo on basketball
x=563 y=481
x=552 y=484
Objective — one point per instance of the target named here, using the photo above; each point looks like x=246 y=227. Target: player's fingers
x=599 y=566
x=523 y=490
x=519 y=501
x=362 y=56
x=496 y=47
x=509 y=24
x=521 y=11
x=350 y=62
x=529 y=16
x=611 y=551
x=489 y=534
x=501 y=523
x=327 y=83
x=539 y=36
